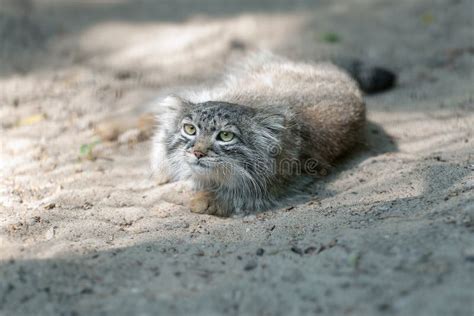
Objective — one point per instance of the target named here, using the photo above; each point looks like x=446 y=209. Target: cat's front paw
x=202 y=203
x=205 y=203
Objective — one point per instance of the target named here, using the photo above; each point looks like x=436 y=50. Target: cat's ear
x=168 y=109
x=269 y=128
x=273 y=122
x=171 y=104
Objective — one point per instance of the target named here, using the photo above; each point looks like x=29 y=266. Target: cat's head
x=225 y=143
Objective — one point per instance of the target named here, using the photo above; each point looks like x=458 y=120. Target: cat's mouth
x=200 y=164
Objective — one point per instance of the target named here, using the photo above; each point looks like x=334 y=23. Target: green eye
x=189 y=129
x=226 y=136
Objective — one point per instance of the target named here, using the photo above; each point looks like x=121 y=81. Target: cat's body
x=244 y=142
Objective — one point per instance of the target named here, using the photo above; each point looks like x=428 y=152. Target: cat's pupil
x=189 y=129
x=226 y=136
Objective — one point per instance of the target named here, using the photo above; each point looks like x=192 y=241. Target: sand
x=389 y=231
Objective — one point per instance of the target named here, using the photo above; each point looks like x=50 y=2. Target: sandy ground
x=389 y=231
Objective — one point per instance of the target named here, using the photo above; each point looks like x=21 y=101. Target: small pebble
x=237 y=44
x=87 y=290
x=297 y=250
x=50 y=233
x=250 y=265
x=383 y=307
x=469 y=254
x=123 y=75
x=50 y=206
x=260 y=252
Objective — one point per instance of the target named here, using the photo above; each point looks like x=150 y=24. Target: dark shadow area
x=165 y=10
x=375 y=142
x=179 y=276
x=439 y=181
x=32 y=28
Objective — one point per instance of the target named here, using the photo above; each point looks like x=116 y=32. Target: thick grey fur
x=288 y=118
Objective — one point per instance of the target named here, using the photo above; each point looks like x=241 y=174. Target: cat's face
x=223 y=142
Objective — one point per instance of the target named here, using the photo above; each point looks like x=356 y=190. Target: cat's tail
x=371 y=79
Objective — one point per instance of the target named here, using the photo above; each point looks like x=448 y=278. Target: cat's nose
x=199 y=154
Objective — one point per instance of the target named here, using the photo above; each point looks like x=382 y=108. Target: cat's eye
x=189 y=129
x=225 y=136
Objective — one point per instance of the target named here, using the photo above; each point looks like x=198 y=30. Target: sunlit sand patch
x=170 y=46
